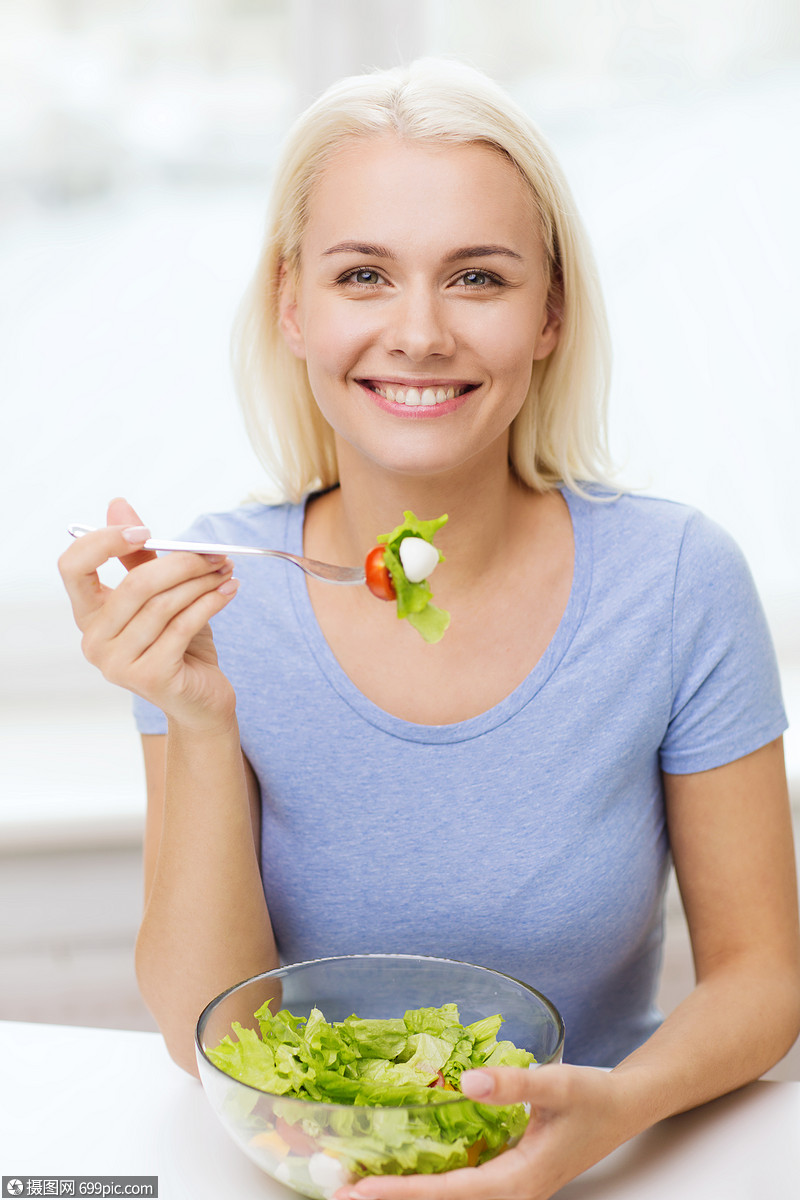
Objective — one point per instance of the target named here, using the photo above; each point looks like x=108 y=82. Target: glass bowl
x=314 y=1147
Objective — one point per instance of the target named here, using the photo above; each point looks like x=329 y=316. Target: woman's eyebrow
x=372 y=251
x=364 y=248
x=481 y=252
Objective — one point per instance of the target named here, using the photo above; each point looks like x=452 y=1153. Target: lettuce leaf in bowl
x=394 y=1082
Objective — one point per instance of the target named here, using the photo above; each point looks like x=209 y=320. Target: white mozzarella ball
x=327 y=1173
x=418 y=558
x=283 y=1174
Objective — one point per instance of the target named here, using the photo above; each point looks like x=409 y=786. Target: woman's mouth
x=430 y=396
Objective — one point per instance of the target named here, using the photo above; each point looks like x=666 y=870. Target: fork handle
x=210 y=548
x=195 y=547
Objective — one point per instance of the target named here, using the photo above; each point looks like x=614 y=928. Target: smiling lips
x=414 y=396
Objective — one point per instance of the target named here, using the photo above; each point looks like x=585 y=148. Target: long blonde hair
x=559 y=435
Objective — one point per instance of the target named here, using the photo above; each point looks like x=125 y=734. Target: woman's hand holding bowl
x=577 y=1117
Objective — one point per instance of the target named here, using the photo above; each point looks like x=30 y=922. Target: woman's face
x=421 y=301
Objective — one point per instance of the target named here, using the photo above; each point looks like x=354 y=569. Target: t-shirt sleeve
x=726 y=693
x=148 y=718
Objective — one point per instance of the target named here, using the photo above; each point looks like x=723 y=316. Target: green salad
x=399 y=1079
x=410 y=589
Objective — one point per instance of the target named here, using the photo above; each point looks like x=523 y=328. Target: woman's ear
x=550 y=332
x=547 y=338
x=289 y=311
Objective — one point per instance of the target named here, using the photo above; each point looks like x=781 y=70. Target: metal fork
x=319 y=570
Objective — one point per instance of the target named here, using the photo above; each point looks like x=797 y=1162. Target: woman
x=425 y=331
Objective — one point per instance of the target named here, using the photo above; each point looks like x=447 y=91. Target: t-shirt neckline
x=580 y=514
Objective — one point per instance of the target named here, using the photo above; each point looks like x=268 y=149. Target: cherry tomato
x=295 y=1137
x=379 y=581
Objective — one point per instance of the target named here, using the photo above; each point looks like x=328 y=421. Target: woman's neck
x=486 y=505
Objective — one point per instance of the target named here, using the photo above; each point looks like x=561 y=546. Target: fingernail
x=214 y=558
x=136 y=534
x=477 y=1083
x=227 y=589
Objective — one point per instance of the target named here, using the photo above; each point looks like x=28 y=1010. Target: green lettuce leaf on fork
x=394 y=1083
x=414 y=599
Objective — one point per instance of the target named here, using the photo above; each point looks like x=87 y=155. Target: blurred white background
x=136 y=144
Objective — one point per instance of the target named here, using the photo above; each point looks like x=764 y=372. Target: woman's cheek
x=511 y=349
x=337 y=340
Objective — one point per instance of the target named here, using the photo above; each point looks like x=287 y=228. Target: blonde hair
x=559 y=435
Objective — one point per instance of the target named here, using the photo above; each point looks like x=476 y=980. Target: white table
x=94 y=1102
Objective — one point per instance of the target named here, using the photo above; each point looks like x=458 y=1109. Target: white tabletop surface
x=90 y=1102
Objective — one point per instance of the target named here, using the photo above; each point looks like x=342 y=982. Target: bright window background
x=136 y=143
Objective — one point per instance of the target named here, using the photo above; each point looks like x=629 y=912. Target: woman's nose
x=419 y=326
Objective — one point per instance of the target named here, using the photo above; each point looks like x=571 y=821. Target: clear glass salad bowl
x=315 y=1147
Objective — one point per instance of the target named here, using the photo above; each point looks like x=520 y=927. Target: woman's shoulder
x=620 y=506
x=657 y=549
x=653 y=523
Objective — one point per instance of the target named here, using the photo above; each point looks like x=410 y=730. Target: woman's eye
x=364 y=276
x=478 y=279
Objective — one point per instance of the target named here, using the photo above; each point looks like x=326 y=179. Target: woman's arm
x=731 y=837
x=154 y=750
x=206 y=924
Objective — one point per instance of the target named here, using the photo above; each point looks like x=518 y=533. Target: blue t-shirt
x=530 y=838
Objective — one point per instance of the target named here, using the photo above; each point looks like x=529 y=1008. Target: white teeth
x=414 y=396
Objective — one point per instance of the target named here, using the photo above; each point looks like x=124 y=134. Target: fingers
x=79 y=563
x=167 y=601
x=498 y=1085
x=566 y=1101
x=160 y=585
x=495 y=1180
x=549 y=1089
x=120 y=512
x=153 y=671
x=150 y=634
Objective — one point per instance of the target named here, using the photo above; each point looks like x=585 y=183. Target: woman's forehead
x=384 y=187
